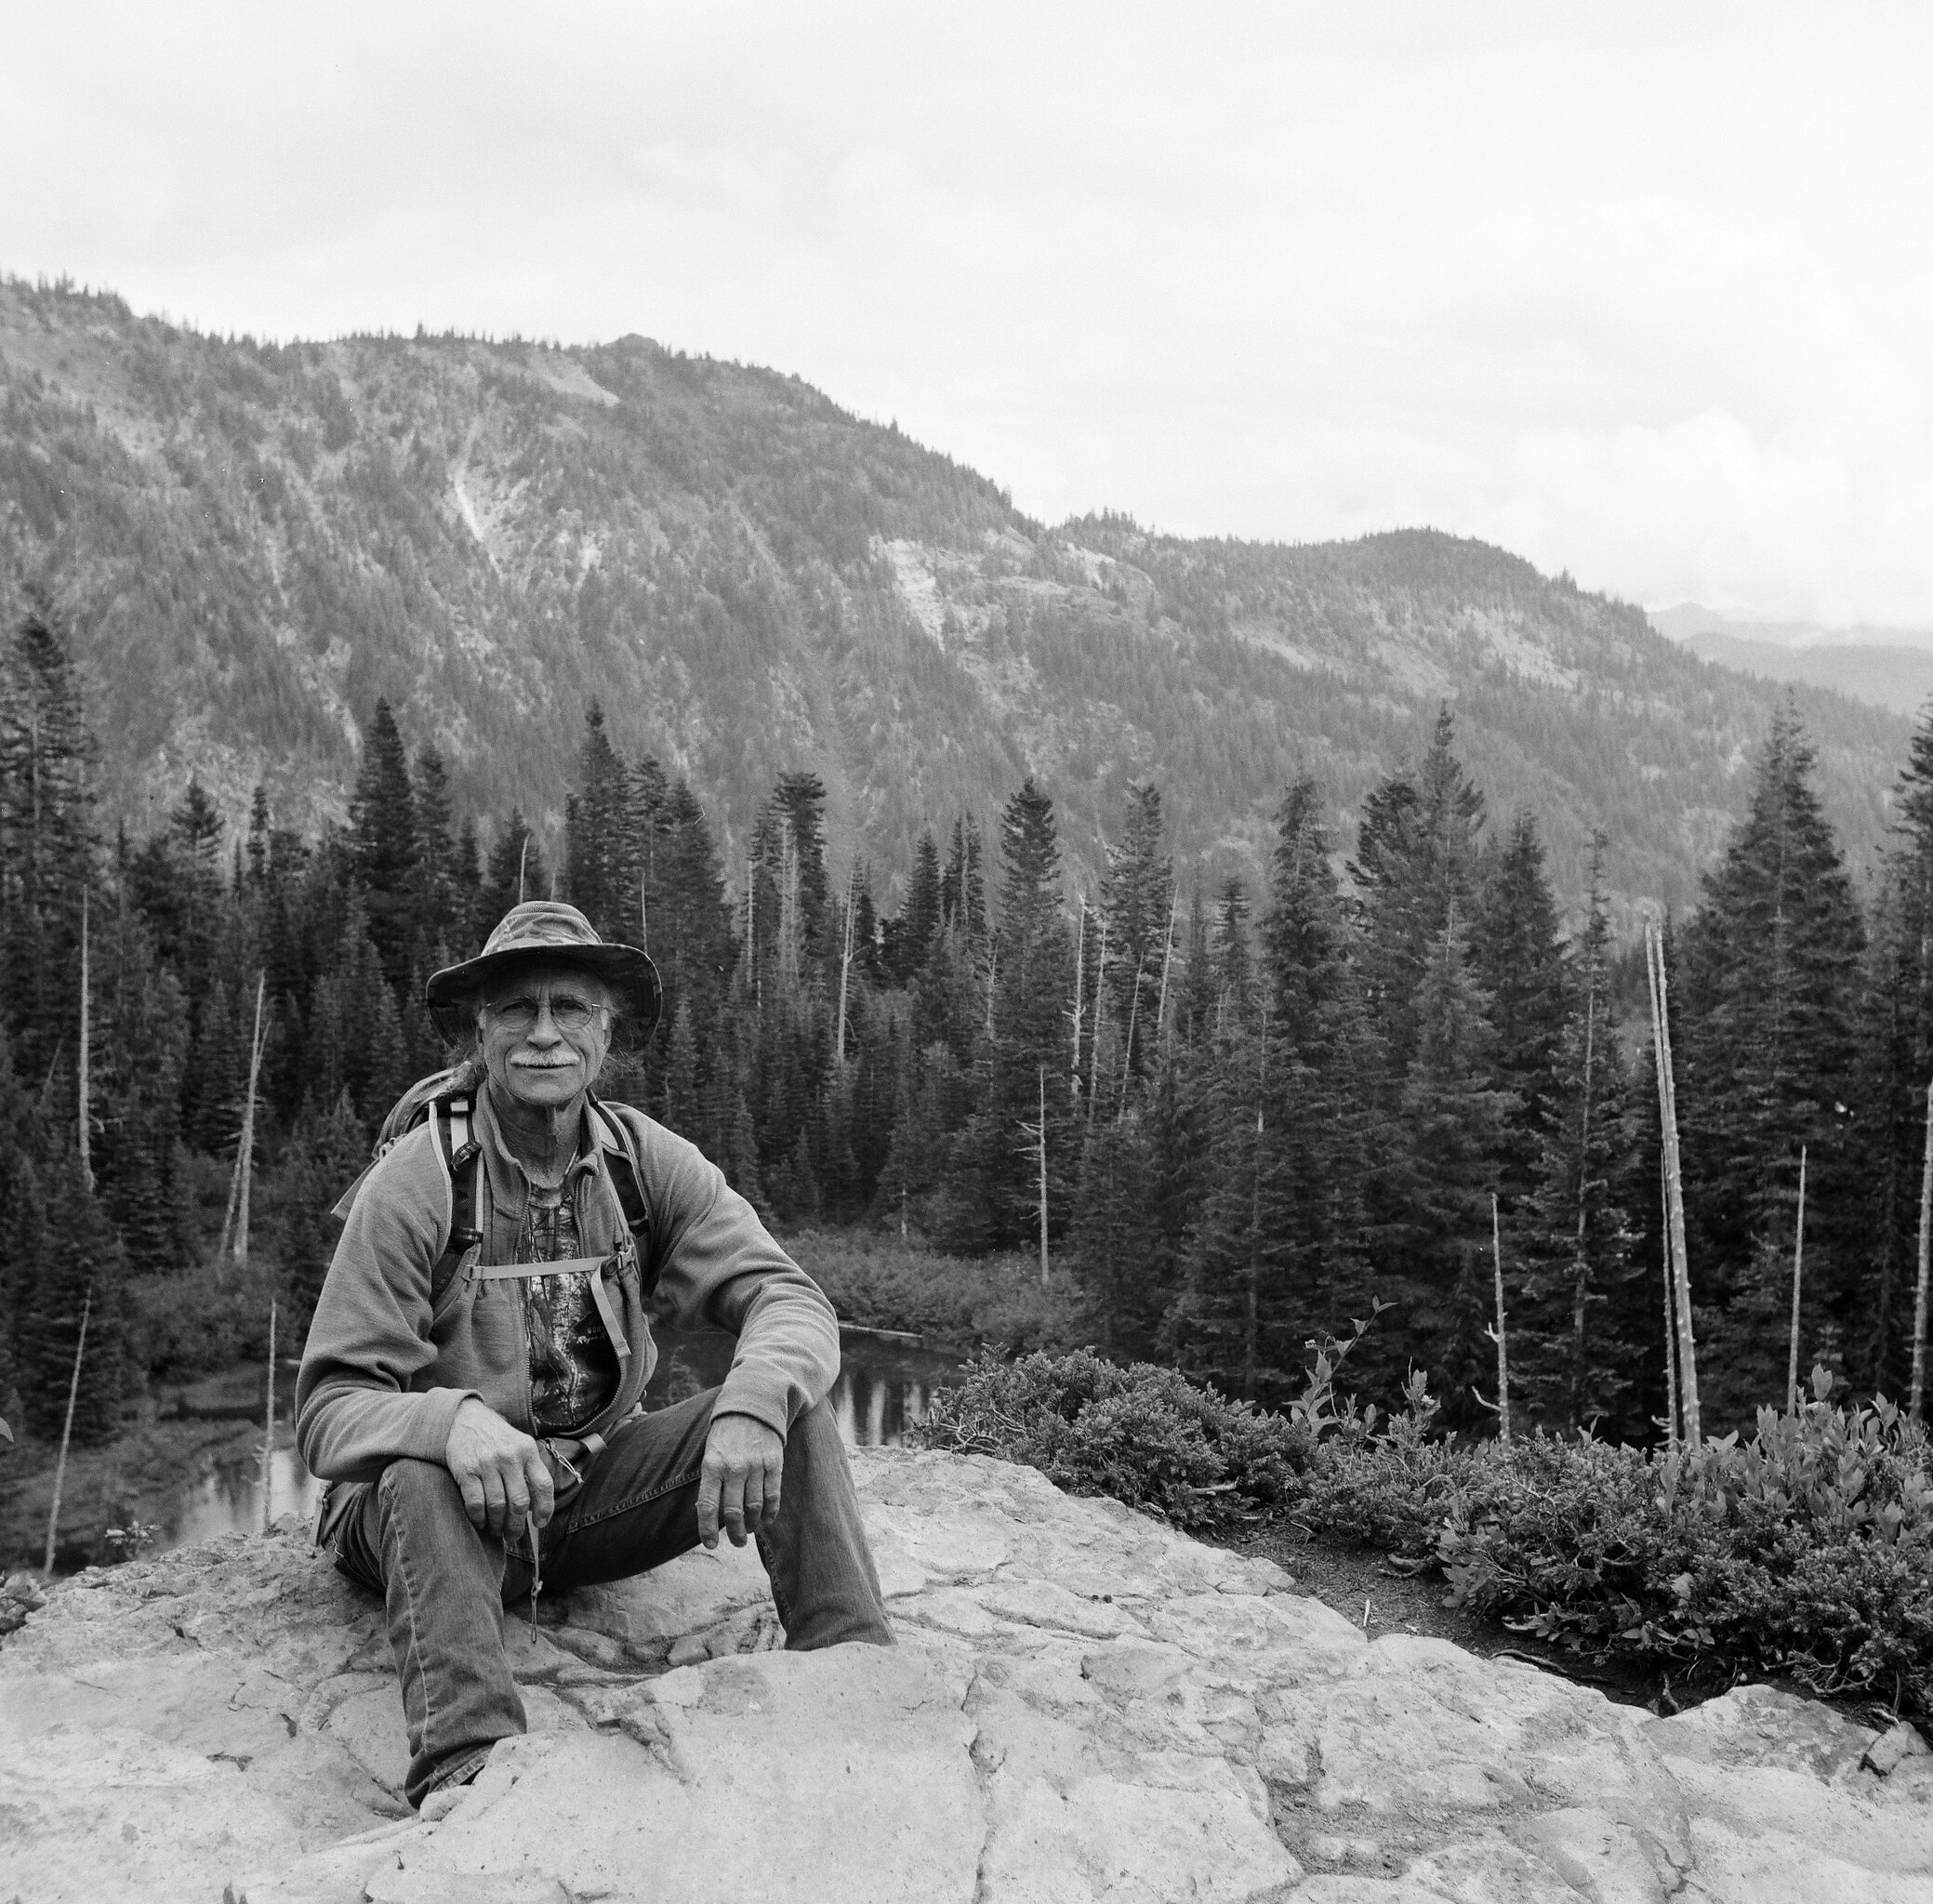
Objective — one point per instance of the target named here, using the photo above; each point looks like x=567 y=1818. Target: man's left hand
x=739 y=1483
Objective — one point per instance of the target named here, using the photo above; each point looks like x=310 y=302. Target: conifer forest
x=1230 y=1120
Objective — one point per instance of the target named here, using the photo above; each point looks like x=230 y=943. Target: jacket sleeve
x=355 y=1411
x=719 y=1268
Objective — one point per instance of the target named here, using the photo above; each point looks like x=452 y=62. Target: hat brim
x=626 y=970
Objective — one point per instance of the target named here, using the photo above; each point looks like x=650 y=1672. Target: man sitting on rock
x=471 y=1409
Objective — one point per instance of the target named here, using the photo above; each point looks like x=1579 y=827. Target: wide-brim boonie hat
x=549 y=929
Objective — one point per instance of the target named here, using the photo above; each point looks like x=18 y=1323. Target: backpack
x=447 y=1102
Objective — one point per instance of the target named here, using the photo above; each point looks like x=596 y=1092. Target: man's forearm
x=350 y=1432
x=787 y=1354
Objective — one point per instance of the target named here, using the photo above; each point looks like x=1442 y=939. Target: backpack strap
x=627 y=1180
x=458 y=1151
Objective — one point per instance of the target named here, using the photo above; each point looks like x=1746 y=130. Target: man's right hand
x=500 y=1472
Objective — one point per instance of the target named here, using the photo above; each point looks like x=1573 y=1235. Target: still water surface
x=882 y=1389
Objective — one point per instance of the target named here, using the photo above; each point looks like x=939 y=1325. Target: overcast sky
x=1641 y=291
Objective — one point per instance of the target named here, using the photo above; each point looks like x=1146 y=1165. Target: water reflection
x=883 y=1388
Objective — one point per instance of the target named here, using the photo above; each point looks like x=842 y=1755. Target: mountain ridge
x=251 y=542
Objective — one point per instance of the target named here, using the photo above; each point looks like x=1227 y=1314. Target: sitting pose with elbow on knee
x=472 y=1380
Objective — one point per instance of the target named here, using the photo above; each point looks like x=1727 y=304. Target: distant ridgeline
x=1254 y=1110
x=253 y=544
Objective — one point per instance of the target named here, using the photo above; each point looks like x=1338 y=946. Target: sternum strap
x=592 y=1266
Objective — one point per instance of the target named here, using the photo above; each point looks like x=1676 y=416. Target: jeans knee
x=817 y=1431
x=413 y=1486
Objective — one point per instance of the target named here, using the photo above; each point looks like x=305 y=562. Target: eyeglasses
x=520 y=1013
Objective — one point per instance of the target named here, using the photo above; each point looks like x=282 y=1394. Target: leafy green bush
x=1144 y=1435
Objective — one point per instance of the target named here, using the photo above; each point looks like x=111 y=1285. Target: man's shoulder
x=409 y=1179
x=663 y=1155
x=648 y=1137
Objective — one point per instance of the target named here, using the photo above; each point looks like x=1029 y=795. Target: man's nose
x=545 y=1031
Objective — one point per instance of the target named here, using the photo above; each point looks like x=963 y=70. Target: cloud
x=1643 y=292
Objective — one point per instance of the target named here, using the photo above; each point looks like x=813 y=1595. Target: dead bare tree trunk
x=1043 y=1176
x=1036 y=1148
x=1252 y=1335
x=1167 y=958
x=1079 y=995
x=269 y=1430
x=1580 y=1264
x=1094 y=1063
x=751 y=937
x=1799 y=1263
x=245 y=1156
x=845 y=967
x=84 y=1133
x=1671 y=1322
x=1674 y=1182
x=74 y=1393
x=1503 y=1353
x=1916 y=1406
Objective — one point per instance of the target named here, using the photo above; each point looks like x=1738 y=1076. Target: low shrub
x=1144 y=1435
x=879 y=1282
x=193 y=1322
x=1807 y=1549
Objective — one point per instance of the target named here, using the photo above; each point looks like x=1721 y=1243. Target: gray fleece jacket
x=383 y=1373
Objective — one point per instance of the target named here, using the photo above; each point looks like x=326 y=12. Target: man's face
x=543 y=1030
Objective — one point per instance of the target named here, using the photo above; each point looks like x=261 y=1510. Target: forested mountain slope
x=251 y=543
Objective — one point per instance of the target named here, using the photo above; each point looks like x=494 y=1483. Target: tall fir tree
x=49 y=843
x=1579 y=1320
x=1519 y=960
x=1771 y=963
x=383 y=834
x=78 y=1266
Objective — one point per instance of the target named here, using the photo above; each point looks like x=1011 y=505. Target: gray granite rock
x=1084 y=1706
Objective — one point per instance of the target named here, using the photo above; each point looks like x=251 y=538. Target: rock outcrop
x=1085 y=1706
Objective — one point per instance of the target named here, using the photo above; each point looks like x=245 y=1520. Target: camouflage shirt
x=572 y=1363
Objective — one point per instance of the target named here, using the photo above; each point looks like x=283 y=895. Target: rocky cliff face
x=1085 y=1706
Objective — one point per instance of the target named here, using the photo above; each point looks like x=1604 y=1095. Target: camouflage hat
x=548 y=930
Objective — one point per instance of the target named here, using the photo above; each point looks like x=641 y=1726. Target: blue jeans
x=445 y=1582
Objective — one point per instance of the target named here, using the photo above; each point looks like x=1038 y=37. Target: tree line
x=1232 y=1119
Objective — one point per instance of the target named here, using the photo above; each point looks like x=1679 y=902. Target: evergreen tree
x=1415 y=868
x=1031 y=993
x=1136 y=902
x=516 y=872
x=1454 y=1119
x=1769 y=1063
x=964 y=885
x=1579 y=1326
x=910 y=936
x=1896 y=1064
x=78 y=1263
x=601 y=867
x=327 y=1151
x=383 y=836
x=47 y=839
x=1519 y=961
x=436 y=920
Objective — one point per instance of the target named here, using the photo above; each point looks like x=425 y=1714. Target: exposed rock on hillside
x=1084 y=1706
x=253 y=542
